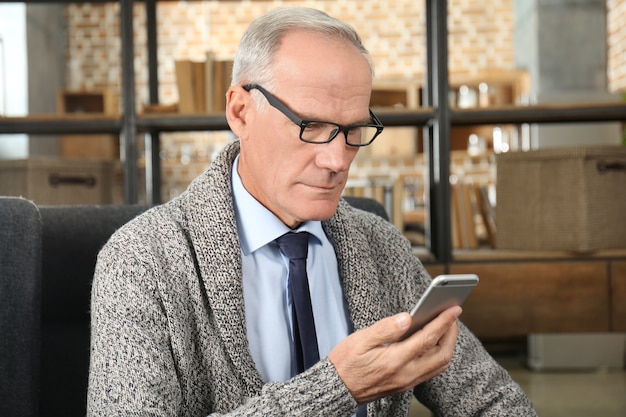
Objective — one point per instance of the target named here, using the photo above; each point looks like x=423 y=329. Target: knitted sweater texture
x=168 y=319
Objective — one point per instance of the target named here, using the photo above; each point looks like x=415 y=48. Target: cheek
x=276 y=159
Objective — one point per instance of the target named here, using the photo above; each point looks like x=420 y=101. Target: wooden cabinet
x=547 y=293
x=515 y=299
x=618 y=296
x=97 y=101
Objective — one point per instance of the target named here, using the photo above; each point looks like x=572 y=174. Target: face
x=319 y=79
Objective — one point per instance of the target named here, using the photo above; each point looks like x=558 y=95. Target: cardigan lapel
x=213 y=233
x=357 y=271
x=363 y=291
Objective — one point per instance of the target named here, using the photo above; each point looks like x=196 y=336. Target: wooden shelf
x=58 y=124
x=175 y=122
x=499 y=255
x=91 y=123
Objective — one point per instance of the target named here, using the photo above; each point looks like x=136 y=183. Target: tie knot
x=294 y=245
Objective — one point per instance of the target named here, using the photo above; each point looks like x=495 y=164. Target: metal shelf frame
x=436 y=118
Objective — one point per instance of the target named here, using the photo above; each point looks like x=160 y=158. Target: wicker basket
x=562 y=199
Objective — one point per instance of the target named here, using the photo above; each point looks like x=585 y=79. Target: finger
x=387 y=330
x=436 y=341
x=448 y=340
x=436 y=359
x=430 y=334
x=450 y=315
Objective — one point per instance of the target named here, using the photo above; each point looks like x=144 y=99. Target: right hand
x=374 y=363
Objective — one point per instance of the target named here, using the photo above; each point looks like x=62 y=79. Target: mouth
x=325 y=188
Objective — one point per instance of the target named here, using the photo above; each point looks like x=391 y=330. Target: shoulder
x=150 y=224
x=145 y=240
x=369 y=237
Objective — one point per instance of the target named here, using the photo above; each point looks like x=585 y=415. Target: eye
x=354 y=131
x=315 y=126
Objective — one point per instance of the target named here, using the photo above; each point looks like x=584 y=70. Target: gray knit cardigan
x=168 y=321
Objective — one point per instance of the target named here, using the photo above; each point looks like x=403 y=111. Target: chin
x=321 y=209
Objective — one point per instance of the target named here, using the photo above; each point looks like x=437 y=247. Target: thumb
x=389 y=329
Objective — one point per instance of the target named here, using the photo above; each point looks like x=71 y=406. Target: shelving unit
x=436 y=117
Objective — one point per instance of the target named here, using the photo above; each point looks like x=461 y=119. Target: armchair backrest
x=71 y=239
x=20 y=301
x=368 y=204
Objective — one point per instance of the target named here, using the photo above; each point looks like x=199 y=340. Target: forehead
x=313 y=69
x=304 y=52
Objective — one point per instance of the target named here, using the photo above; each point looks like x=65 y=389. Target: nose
x=336 y=155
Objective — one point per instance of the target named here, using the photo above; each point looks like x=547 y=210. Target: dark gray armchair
x=47 y=260
x=71 y=239
x=20 y=304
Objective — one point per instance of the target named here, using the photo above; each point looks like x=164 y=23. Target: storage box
x=576 y=351
x=395 y=142
x=93 y=146
x=562 y=199
x=56 y=181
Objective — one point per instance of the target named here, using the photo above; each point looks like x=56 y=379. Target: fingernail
x=403 y=320
x=457 y=312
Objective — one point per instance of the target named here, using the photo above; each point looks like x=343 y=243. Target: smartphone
x=444 y=291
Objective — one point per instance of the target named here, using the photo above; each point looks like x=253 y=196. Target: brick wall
x=392 y=31
x=93 y=46
x=616 y=31
x=481 y=37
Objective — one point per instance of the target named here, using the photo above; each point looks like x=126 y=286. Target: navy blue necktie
x=295 y=247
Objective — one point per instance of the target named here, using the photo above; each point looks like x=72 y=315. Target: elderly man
x=196 y=308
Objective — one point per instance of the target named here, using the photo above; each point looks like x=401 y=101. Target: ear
x=238 y=102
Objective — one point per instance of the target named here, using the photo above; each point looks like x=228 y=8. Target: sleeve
x=317 y=392
x=474 y=384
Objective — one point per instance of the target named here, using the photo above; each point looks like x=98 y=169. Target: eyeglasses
x=315 y=131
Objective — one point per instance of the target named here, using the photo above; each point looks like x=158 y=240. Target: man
x=191 y=308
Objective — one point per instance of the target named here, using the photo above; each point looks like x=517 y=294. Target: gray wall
x=562 y=43
x=45 y=39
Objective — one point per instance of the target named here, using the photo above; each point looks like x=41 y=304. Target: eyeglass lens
x=320 y=132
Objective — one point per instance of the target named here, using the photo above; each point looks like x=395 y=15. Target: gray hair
x=255 y=55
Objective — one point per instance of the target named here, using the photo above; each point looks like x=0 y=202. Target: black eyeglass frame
x=274 y=102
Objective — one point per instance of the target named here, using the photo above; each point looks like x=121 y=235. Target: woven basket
x=562 y=199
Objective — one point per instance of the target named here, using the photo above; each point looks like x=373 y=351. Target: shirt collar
x=256 y=225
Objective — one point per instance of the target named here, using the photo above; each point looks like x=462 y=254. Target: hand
x=374 y=363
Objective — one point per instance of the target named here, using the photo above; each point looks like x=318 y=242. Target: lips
x=325 y=189
x=328 y=184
